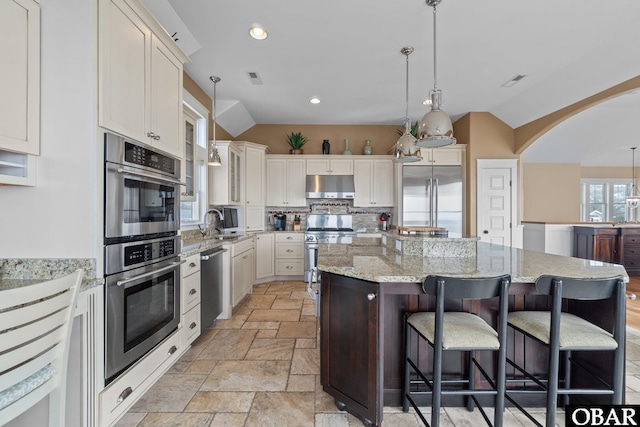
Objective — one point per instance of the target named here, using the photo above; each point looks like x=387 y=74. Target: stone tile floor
x=262 y=366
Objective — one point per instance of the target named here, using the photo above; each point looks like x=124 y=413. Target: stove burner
x=314 y=229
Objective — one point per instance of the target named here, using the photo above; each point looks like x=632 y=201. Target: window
x=193 y=204
x=604 y=200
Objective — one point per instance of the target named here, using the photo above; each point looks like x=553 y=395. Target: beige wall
x=382 y=137
x=551 y=192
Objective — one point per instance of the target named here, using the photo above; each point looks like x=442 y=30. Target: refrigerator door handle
x=430 y=196
x=435 y=197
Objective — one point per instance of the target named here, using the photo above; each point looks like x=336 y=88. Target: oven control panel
x=145 y=252
x=144 y=157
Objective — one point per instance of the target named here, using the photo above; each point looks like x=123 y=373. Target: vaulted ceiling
x=347 y=53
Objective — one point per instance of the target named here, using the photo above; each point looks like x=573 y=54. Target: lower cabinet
x=242 y=270
x=190 y=300
x=350 y=369
x=630 y=250
x=595 y=243
x=264 y=255
x=289 y=254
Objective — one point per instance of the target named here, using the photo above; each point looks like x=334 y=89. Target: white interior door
x=496 y=200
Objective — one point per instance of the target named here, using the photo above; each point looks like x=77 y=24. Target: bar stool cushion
x=575 y=332
x=460 y=330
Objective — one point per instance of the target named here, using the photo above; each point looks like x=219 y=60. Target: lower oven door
x=142 y=309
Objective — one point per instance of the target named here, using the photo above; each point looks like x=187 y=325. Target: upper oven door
x=138 y=202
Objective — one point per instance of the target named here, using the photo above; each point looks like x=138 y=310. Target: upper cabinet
x=323 y=165
x=225 y=180
x=373 y=179
x=286 y=180
x=254 y=184
x=139 y=76
x=446 y=156
x=20 y=89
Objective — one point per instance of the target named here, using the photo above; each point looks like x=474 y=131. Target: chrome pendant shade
x=435 y=128
x=633 y=200
x=405 y=150
x=214 y=156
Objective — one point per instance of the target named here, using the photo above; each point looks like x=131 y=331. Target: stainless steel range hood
x=330 y=187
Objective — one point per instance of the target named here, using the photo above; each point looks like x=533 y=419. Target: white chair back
x=35 y=330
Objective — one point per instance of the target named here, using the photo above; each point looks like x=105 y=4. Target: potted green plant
x=414 y=130
x=296 y=141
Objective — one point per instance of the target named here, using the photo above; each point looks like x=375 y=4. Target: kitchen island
x=367 y=287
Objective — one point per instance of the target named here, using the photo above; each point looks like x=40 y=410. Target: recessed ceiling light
x=258 y=33
x=315 y=100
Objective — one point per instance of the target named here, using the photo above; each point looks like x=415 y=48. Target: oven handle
x=151 y=273
x=148 y=175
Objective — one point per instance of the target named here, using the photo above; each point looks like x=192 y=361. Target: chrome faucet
x=214 y=211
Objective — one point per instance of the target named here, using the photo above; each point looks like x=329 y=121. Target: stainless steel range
x=325 y=228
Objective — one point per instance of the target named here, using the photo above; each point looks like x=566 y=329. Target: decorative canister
x=346 y=151
x=367 y=147
x=326 y=147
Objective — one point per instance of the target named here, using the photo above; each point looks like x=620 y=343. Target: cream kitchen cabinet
x=254 y=184
x=289 y=254
x=139 y=76
x=242 y=270
x=286 y=176
x=265 y=255
x=225 y=182
x=446 y=156
x=323 y=165
x=190 y=300
x=373 y=179
x=20 y=89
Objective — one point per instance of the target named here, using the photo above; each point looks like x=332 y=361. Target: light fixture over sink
x=214 y=156
x=633 y=199
x=435 y=128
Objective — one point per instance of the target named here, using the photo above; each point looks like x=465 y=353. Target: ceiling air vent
x=254 y=78
x=513 y=80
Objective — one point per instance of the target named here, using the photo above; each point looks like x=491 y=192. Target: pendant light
x=435 y=128
x=405 y=150
x=214 y=156
x=633 y=200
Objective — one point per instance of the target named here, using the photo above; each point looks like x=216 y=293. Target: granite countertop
x=19 y=272
x=369 y=259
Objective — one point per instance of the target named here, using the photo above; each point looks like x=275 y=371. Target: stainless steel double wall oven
x=142 y=250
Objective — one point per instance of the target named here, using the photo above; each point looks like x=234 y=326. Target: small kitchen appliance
x=280 y=221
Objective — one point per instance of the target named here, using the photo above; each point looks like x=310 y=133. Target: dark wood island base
x=362 y=340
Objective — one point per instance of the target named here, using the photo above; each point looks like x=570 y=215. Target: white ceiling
x=347 y=52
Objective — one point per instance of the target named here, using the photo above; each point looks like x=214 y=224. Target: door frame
x=512 y=164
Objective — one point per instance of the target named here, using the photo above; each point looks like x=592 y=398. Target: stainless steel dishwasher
x=210 y=285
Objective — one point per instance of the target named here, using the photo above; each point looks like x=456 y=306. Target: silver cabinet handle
x=172 y=350
x=289 y=267
x=151 y=135
x=289 y=250
x=192 y=325
x=371 y=296
x=631 y=296
x=289 y=238
x=192 y=292
x=125 y=393
x=191 y=265
x=245 y=257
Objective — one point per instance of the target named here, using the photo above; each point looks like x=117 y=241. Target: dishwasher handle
x=211 y=255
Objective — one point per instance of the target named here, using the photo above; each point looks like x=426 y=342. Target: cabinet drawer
x=289 y=250
x=190 y=292
x=118 y=397
x=191 y=327
x=191 y=265
x=633 y=239
x=240 y=247
x=289 y=237
x=289 y=267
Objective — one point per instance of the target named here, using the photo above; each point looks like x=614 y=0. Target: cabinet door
x=255 y=177
x=350 y=369
x=383 y=187
x=318 y=166
x=237 y=277
x=254 y=217
x=362 y=177
x=166 y=99
x=20 y=82
x=341 y=167
x=296 y=183
x=447 y=156
x=605 y=248
x=264 y=256
x=189 y=164
x=235 y=173
x=124 y=56
x=249 y=271
x=276 y=182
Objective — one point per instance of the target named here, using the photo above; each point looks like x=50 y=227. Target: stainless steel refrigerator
x=433 y=196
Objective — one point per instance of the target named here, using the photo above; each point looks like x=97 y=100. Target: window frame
x=585 y=183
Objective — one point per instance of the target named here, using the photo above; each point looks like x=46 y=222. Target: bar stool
x=457 y=331
x=563 y=333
